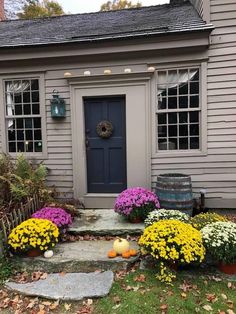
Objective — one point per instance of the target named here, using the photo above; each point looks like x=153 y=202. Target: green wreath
x=104 y=129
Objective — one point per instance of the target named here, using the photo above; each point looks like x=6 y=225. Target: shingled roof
x=113 y=25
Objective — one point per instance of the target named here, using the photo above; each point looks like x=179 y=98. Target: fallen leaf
x=115 y=307
x=211 y=297
x=224 y=296
x=140 y=278
x=208 y=308
x=116 y=299
x=163 y=307
x=183 y=295
x=230 y=311
x=89 y=302
x=54 y=305
x=67 y=306
x=62 y=273
x=230 y=304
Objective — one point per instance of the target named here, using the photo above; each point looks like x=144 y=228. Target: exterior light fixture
x=151 y=69
x=67 y=74
x=107 y=71
x=58 y=106
x=127 y=70
x=87 y=73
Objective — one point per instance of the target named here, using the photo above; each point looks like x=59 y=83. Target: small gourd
x=48 y=254
x=112 y=254
x=133 y=252
x=121 y=245
x=126 y=254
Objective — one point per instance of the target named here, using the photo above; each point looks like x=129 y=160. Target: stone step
x=73 y=257
x=104 y=222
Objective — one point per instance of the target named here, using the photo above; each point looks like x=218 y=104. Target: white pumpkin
x=120 y=245
x=48 y=254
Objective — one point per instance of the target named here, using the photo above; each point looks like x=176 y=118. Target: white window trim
x=41 y=78
x=203 y=113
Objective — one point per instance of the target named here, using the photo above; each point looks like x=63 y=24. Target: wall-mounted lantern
x=58 y=106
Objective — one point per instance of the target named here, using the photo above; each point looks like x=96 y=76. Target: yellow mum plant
x=201 y=220
x=172 y=242
x=33 y=233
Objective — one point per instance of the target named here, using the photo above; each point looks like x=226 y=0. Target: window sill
x=38 y=156
x=183 y=153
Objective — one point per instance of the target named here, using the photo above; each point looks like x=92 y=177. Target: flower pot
x=135 y=220
x=34 y=253
x=229 y=269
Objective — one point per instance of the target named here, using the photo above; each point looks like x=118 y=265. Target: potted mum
x=136 y=203
x=165 y=214
x=33 y=237
x=172 y=243
x=220 y=241
x=58 y=216
x=201 y=220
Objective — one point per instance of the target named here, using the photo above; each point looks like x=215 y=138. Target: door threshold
x=101 y=195
x=99 y=200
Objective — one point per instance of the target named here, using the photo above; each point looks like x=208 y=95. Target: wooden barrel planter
x=174 y=191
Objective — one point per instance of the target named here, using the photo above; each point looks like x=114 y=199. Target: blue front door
x=105 y=136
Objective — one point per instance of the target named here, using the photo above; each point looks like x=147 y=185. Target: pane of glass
x=183 y=130
x=162 y=131
x=11 y=124
x=194 y=116
x=29 y=146
x=29 y=135
x=183 y=102
x=37 y=123
x=172 y=102
x=9 y=98
x=19 y=123
x=183 y=143
x=173 y=145
x=35 y=96
x=172 y=117
x=194 y=129
x=194 y=77
x=194 y=88
x=11 y=135
x=20 y=135
x=38 y=147
x=20 y=147
x=162 y=118
x=161 y=89
x=25 y=85
x=34 y=84
x=172 y=91
x=37 y=135
x=172 y=76
x=12 y=147
x=172 y=129
x=183 y=76
x=162 y=144
x=183 y=117
x=194 y=143
x=183 y=89
x=27 y=109
x=26 y=97
x=194 y=101
x=18 y=110
x=18 y=98
x=35 y=108
x=28 y=123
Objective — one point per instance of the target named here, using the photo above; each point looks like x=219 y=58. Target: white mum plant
x=220 y=241
x=165 y=214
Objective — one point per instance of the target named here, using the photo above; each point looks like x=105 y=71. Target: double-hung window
x=178 y=109
x=23 y=116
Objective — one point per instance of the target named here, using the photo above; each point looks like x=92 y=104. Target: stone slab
x=80 y=256
x=73 y=287
x=104 y=222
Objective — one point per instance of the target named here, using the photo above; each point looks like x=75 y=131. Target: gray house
x=147 y=91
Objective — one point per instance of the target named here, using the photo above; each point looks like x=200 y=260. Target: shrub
x=172 y=242
x=33 y=233
x=56 y=215
x=20 y=181
x=220 y=241
x=165 y=214
x=136 y=203
x=201 y=220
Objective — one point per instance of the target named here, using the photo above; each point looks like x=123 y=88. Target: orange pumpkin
x=133 y=252
x=112 y=254
x=126 y=254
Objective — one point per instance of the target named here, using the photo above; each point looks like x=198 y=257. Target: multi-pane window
x=178 y=109
x=23 y=119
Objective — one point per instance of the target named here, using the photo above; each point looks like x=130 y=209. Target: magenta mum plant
x=136 y=203
x=58 y=216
